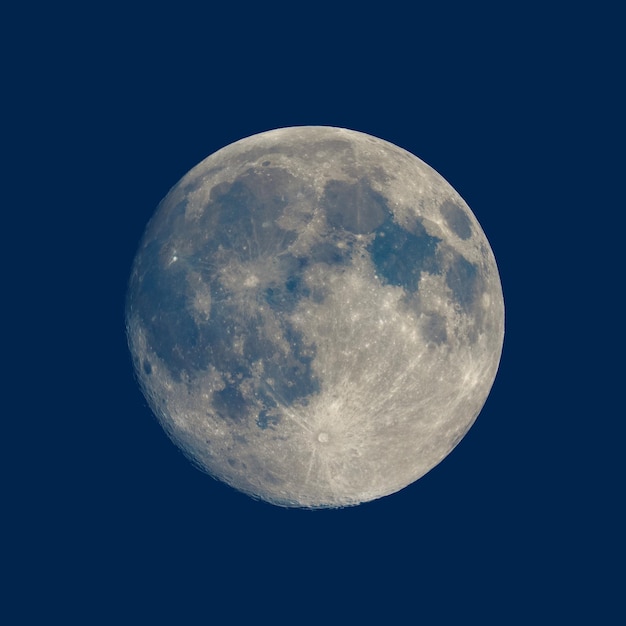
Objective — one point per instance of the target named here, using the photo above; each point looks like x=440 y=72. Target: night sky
x=108 y=521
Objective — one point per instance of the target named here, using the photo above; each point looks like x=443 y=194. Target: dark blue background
x=107 y=108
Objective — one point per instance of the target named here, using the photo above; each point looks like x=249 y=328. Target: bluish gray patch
x=254 y=154
x=147 y=368
x=160 y=301
x=462 y=278
x=285 y=296
x=332 y=146
x=268 y=477
x=229 y=402
x=218 y=335
x=243 y=214
x=456 y=219
x=199 y=181
x=173 y=336
x=292 y=374
x=434 y=328
x=293 y=283
x=266 y=420
x=330 y=253
x=401 y=256
x=265 y=394
x=355 y=207
x=257 y=346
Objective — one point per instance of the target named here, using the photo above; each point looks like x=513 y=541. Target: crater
x=456 y=219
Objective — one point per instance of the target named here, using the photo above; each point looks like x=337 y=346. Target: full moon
x=315 y=316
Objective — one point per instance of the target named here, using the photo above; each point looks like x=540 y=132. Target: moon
x=315 y=317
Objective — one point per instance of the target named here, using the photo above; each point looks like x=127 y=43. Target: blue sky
x=519 y=524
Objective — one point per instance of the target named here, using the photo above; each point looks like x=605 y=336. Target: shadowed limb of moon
x=315 y=316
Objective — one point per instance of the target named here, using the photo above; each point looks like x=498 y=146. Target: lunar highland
x=315 y=316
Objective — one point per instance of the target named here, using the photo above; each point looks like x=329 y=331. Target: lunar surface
x=315 y=316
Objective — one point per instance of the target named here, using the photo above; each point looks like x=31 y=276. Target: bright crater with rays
x=315 y=316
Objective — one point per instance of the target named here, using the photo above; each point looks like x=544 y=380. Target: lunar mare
x=315 y=316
